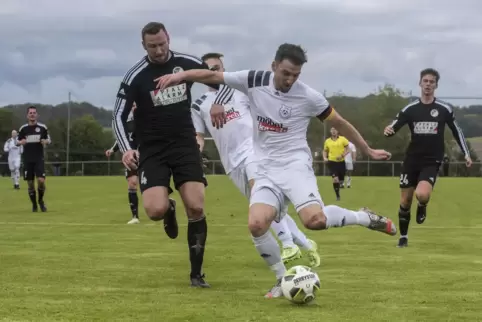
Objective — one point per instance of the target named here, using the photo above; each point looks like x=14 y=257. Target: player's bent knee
x=423 y=191
x=156 y=202
x=313 y=217
x=260 y=218
x=132 y=182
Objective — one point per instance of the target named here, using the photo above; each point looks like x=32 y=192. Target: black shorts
x=337 y=169
x=184 y=163
x=413 y=172
x=130 y=173
x=33 y=169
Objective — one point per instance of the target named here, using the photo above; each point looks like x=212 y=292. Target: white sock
x=298 y=237
x=283 y=233
x=268 y=249
x=17 y=176
x=348 y=181
x=12 y=175
x=338 y=217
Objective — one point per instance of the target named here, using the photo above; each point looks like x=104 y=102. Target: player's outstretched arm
x=6 y=146
x=350 y=132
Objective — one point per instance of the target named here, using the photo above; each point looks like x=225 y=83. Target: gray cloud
x=353 y=46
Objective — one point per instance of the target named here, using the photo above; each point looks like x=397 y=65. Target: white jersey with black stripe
x=234 y=141
x=281 y=119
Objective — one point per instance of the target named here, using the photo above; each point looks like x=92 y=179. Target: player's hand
x=44 y=142
x=388 y=131
x=339 y=158
x=325 y=159
x=165 y=81
x=379 y=154
x=108 y=153
x=130 y=158
x=468 y=161
x=21 y=142
x=218 y=116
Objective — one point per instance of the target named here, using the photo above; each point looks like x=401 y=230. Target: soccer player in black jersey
x=426 y=117
x=167 y=140
x=34 y=136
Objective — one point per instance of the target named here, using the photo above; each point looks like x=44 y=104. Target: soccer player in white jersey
x=14 y=155
x=350 y=159
x=235 y=146
x=281 y=108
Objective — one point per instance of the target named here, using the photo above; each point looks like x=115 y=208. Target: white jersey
x=281 y=119
x=235 y=140
x=351 y=150
x=14 y=151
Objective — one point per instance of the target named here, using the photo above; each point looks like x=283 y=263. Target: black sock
x=196 y=238
x=41 y=192
x=32 y=195
x=133 y=202
x=403 y=220
x=336 y=186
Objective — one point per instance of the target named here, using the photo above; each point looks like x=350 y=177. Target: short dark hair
x=293 y=53
x=211 y=55
x=153 y=28
x=430 y=71
x=31 y=107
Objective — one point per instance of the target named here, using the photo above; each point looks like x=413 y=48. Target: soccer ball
x=300 y=284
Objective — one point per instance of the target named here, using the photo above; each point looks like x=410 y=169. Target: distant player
x=426 y=118
x=33 y=136
x=235 y=146
x=131 y=175
x=14 y=156
x=334 y=152
x=281 y=108
x=350 y=159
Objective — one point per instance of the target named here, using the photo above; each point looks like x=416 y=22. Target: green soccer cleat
x=313 y=256
x=290 y=253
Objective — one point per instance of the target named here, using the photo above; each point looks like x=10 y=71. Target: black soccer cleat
x=35 y=208
x=421 y=214
x=42 y=206
x=402 y=242
x=170 y=221
x=199 y=282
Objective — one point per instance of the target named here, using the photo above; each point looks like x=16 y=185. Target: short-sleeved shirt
x=281 y=119
x=33 y=150
x=335 y=148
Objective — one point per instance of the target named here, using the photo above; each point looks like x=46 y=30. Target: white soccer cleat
x=380 y=223
x=275 y=291
x=134 y=221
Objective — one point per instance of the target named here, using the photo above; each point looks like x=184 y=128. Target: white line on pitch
x=7 y=223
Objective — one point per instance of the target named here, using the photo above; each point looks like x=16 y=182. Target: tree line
x=91 y=133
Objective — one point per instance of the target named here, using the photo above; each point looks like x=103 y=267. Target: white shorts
x=277 y=187
x=14 y=164
x=349 y=166
x=241 y=176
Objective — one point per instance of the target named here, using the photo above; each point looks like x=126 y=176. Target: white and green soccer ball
x=300 y=284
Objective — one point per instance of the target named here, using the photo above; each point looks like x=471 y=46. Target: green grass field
x=81 y=262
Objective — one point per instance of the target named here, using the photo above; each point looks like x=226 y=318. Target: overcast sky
x=48 y=48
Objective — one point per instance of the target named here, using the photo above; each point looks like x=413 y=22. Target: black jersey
x=33 y=150
x=427 y=126
x=162 y=117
